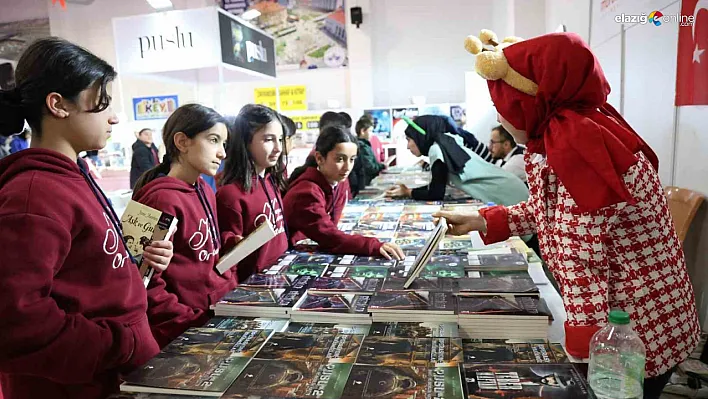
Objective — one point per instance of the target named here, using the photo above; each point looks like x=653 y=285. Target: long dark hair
x=51 y=65
x=190 y=119
x=239 y=167
x=329 y=137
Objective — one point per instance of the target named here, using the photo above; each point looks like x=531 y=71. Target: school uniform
x=313 y=208
x=180 y=297
x=241 y=212
x=72 y=307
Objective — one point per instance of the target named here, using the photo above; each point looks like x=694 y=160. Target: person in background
x=346 y=119
x=72 y=311
x=290 y=131
x=370 y=166
x=376 y=145
x=603 y=222
x=20 y=141
x=507 y=155
x=331 y=117
x=318 y=192
x=180 y=297
x=452 y=162
x=250 y=189
x=144 y=156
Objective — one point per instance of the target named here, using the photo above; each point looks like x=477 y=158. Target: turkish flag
x=692 y=58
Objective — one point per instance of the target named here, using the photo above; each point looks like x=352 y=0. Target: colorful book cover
x=245 y=323
x=336 y=271
x=265 y=297
x=414 y=330
x=267 y=281
x=356 y=260
x=400 y=351
x=403 y=382
x=505 y=284
x=528 y=381
x=263 y=379
x=352 y=284
x=201 y=361
x=442 y=284
x=410 y=243
x=327 y=328
x=512 y=351
x=335 y=303
x=316 y=348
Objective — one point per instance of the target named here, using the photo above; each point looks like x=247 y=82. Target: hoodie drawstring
x=106 y=205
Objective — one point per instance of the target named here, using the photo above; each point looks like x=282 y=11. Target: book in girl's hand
x=141 y=226
x=261 y=235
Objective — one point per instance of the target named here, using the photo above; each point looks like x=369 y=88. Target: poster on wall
x=308 y=34
x=399 y=125
x=692 y=59
x=382 y=122
x=293 y=98
x=156 y=107
x=308 y=129
x=458 y=113
x=245 y=47
x=265 y=96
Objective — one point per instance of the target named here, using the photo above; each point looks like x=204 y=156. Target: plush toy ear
x=491 y=65
x=488 y=37
x=473 y=45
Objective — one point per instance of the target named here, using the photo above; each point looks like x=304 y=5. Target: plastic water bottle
x=617 y=357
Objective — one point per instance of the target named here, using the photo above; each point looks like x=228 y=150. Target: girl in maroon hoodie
x=72 y=305
x=179 y=298
x=250 y=188
x=318 y=192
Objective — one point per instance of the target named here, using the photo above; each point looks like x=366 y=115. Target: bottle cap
x=490 y=204
x=619 y=317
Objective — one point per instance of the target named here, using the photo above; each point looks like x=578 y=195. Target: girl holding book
x=318 y=192
x=72 y=312
x=249 y=192
x=179 y=298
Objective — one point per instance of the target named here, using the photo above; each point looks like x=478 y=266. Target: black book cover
x=421 y=301
x=353 y=284
x=499 y=305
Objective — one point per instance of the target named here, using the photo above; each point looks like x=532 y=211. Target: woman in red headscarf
x=596 y=201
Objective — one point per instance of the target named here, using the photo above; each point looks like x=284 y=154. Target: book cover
x=426 y=252
x=438 y=302
x=328 y=328
x=335 y=271
x=528 y=381
x=297 y=269
x=261 y=235
x=356 y=260
x=263 y=379
x=442 y=284
x=403 y=382
x=334 y=303
x=499 y=285
x=197 y=363
x=315 y=348
x=512 y=351
x=414 y=330
x=265 y=297
x=499 y=305
x=400 y=351
x=245 y=323
x=141 y=226
x=513 y=261
x=267 y=281
x=351 y=284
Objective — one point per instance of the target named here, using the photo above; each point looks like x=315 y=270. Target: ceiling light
x=160 y=4
x=251 y=14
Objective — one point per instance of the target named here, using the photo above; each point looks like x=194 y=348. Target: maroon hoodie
x=179 y=297
x=240 y=212
x=312 y=210
x=72 y=304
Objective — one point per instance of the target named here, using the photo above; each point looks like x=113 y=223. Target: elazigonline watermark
x=656 y=18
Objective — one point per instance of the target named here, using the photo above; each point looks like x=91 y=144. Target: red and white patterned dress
x=619 y=257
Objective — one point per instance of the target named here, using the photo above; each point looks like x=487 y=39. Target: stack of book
x=503 y=316
x=261 y=301
x=428 y=306
x=322 y=307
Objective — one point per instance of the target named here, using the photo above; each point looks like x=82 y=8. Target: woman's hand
x=158 y=254
x=390 y=250
x=400 y=191
x=462 y=223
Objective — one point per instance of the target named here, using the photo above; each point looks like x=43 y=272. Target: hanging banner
x=246 y=47
x=293 y=98
x=157 y=107
x=265 y=96
x=692 y=58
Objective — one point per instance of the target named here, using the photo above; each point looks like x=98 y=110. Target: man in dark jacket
x=144 y=156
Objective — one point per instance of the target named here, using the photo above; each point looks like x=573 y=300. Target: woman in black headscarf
x=451 y=161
